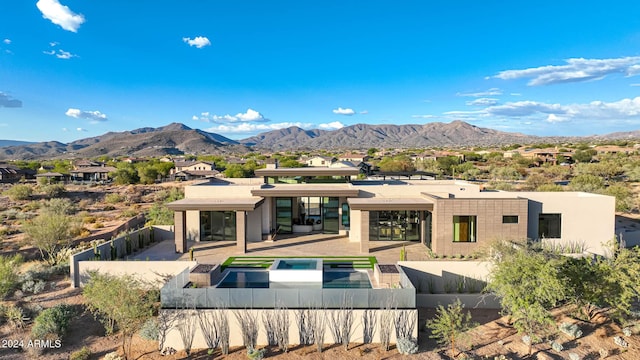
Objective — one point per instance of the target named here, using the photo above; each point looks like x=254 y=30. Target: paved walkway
x=213 y=252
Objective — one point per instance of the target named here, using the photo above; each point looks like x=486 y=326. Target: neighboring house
x=86 y=164
x=354 y=158
x=10 y=174
x=51 y=176
x=448 y=217
x=320 y=161
x=92 y=173
x=193 y=166
x=364 y=167
x=186 y=175
x=192 y=170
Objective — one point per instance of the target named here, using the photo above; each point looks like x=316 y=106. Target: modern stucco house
x=449 y=217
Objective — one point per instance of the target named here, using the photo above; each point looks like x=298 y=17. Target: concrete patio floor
x=215 y=252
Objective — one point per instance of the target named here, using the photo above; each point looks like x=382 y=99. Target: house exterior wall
x=489 y=226
x=586 y=218
x=254 y=225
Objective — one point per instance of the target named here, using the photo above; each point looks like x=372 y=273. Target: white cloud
x=622 y=110
x=247 y=128
x=9 y=102
x=525 y=108
x=53 y=43
x=577 y=69
x=65 y=129
x=7 y=41
x=93 y=116
x=81 y=129
x=60 y=14
x=427 y=116
x=249 y=116
x=638 y=84
x=341 y=111
x=198 y=41
x=331 y=126
x=60 y=54
x=490 y=92
x=364 y=112
x=482 y=102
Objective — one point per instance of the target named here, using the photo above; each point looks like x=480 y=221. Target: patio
x=213 y=252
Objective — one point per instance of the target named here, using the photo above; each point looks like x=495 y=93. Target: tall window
x=345 y=215
x=549 y=226
x=464 y=228
x=394 y=225
x=217 y=225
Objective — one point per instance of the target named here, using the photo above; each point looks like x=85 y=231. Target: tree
x=587 y=183
x=122 y=302
x=236 y=171
x=528 y=284
x=624 y=196
x=372 y=151
x=450 y=324
x=534 y=181
x=605 y=282
x=126 y=174
x=147 y=174
x=52 y=230
x=400 y=163
x=584 y=156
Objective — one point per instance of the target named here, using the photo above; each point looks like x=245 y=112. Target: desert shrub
x=129 y=213
x=113 y=356
x=98 y=225
x=573 y=330
x=60 y=206
x=114 y=198
x=33 y=286
x=407 y=346
x=9 y=278
x=149 y=330
x=54 y=190
x=31 y=206
x=90 y=219
x=52 y=323
x=19 y=192
x=82 y=354
x=108 y=208
x=15 y=316
x=557 y=346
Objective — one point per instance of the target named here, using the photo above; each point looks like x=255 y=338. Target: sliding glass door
x=330 y=215
x=284 y=215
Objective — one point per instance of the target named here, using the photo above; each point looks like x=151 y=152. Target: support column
x=180 y=234
x=364 y=231
x=241 y=231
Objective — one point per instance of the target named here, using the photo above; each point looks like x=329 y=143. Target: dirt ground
x=493 y=337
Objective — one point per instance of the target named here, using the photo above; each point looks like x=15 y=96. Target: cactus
x=254 y=354
x=127 y=241
x=96 y=252
x=152 y=238
x=403 y=254
x=140 y=240
x=190 y=254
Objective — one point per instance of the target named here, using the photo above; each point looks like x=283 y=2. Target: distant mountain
x=362 y=136
x=4 y=143
x=291 y=137
x=180 y=139
x=173 y=139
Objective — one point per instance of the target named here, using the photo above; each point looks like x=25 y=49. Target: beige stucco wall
x=254 y=225
x=174 y=340
x=147 y=271
x=355 y=234
x=489 y=226
x=588 y=218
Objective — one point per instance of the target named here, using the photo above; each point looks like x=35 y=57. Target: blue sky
x=72 y=69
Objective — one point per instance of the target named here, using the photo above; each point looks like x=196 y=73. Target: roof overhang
x=305 y=190
x=309 y=171
x=390 y=204
x=216 y=204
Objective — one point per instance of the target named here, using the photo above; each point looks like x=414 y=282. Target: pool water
x=260 y=279
x=296 y=264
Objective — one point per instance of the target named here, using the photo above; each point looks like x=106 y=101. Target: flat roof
x=308 y=171
x=290 y=190
x=390 y=204
x=216 y=204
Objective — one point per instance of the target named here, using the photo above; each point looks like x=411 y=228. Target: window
x=510 y=219
x=464 y=228
x=549 y=226
x=345 y=215
x=217 y=225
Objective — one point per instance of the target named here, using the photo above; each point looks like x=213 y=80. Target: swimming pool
x=333 y=279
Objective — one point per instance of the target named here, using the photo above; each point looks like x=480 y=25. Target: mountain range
x=178 y=139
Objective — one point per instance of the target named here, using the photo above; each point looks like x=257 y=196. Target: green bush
x=15 y=316
x=9 y=278
x=114 y=198
x=54 y=190
x=149 y=330
x=19 y=192
x=82 y=354
x=52 y=322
